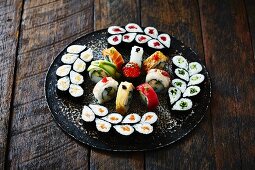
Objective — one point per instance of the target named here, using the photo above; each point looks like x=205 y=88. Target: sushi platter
x=127 y=88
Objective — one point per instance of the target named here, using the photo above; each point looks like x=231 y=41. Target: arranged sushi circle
x=106 y=70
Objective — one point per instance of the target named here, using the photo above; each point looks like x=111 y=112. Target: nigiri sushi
x=124 y=96
x=112 y=55
x=156 y=60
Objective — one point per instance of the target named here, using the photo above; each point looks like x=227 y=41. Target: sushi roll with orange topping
x=112 y=55
x=156 y=60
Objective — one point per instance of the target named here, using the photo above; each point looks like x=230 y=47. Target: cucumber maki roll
x=191 y=91
x=180 y=62
x=181 y=73
x=105 y=89
x=174 y=94
x=196 y=79
x=179 y=84
x=183 y=104
x=69 y=58
x=124 y=96
x=158 y=79
x=194 y=68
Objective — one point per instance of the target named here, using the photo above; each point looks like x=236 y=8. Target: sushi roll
x=196 y=79
x=76 y=91
x=124 y=96
x=103 y=126
x=87 y=55
x=155 y=44
x=180 y=62
x=131 y=71
x=132 y=27
x=125 y=130
x=63 y=85
x=69 y=58
x=87 y=114
x=99 y=110
x=191 y=91
x=165 y=40
x=179 y=84
x=183 y=104
x=63 y=70
x=79 y=66
x=116 y=30
x=148 y=95
x=114 y=39
x=76 y=78
x=131 y=118
x=151 y=31
x=113 y=56
x=136 y=55
x=129 y=37
x=174 y=94
x=156 y=60
x=142 y=39
x=96 y=74
x=143 y=128
x=149 y=117
x=75 y=49
x=181 y=73
x=158 y=79
x=113 y=118
x=105 y=89
x=194 y=68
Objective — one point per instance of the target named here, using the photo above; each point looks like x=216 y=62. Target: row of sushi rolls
x=105 y=73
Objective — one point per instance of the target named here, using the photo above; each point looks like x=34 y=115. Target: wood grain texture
x=10 y=16
x=250 y=10
x=181 y=19
x=106 y=15
x=36 y=140
x=229 y=58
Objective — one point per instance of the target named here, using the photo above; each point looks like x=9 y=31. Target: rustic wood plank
x=10 y=16
x=250 y=7
x=36 y=140
x=106 y=15
x=181 y=18
x=229 y=58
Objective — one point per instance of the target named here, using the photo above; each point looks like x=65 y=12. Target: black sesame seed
x=137 y=50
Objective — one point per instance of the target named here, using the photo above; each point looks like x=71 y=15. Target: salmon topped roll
x=156 y=60
x=112 y=55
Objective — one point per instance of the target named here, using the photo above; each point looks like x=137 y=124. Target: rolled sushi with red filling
x=132 y=27
x=142 y=39
x=151 y=31
x=148 y=96
x=116 y=30
x=114 y=40
x=129 y=37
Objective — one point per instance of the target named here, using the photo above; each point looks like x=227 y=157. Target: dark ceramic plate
x=170 y=127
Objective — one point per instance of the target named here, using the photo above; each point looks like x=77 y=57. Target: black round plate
x=170 y=127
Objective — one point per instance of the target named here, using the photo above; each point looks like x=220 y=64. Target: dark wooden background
x=32 y=32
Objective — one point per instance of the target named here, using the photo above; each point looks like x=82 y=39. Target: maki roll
x=196 y=79
x=132 y=27
x=136 y=55
x=155 y=44
x=174 y=94
x=131 y=70
x=124 y=96
x=181 y=73
x=114 y=39
x=103 y=126
x=63 y=85
x=158 y=79
x=151 y=31
x=191 y=91
x=183 y=104
x=165 y=40
x=156 y=60
x=125 y=130
x=149 y=117
x=97 y=73
x=113 y=56
x=180 y=62
x=194 y=68
x=99 y=110
x=76 y=91
x=142 y=39
x=63 y=70
x=76 y=78
x=143 y=128
x=129 y=37
x=87 y=55
x=79 y=66
x=113 y=118
x=105 y=89
x=69 y=58
x=116 y=30
x=148 y=95
x=179 y=84
x=131 y=118
x=87 y=114
x=75 y=49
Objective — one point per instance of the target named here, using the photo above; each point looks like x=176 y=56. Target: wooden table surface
x=33 y=32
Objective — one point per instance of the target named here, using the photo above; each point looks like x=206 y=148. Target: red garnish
x=156 y=57
x=142 y=38
x=131 y=70
x=164 y=73
x=156 y=44
x=104 y=80
x=115 y=39
x=132 y=27
x=163 y=38
x=151 y=31
x=126 y=36
x=116 y=30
